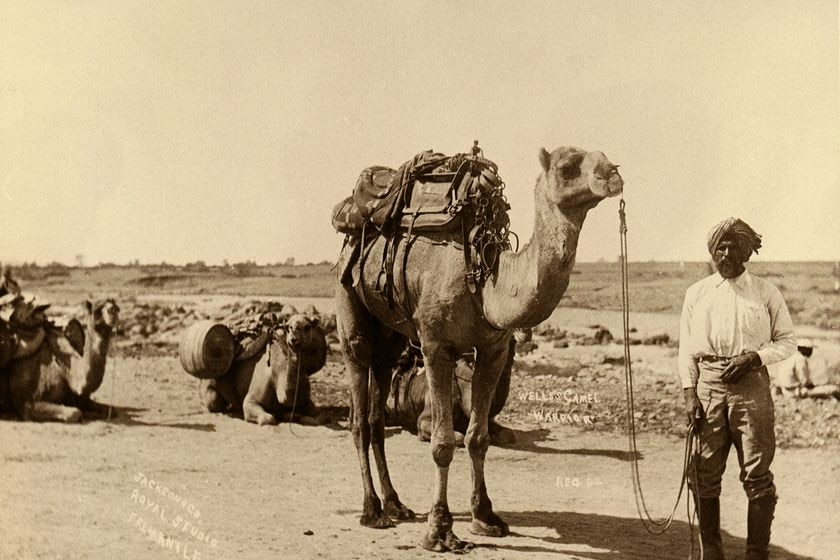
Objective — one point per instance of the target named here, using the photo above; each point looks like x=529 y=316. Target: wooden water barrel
x=206 y=349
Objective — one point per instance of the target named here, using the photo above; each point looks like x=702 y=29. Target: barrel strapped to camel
x=23 y=328
x=429 y=193
x=253 y=336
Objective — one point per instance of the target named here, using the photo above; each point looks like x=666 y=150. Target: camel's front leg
x=440 y=369
x=259 y=397
x=47 y=411
x=488 y=368
x=293 y=395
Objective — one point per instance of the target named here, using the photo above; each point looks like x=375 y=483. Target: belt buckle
x=711 y=359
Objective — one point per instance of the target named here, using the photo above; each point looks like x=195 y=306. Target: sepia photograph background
x=185 y=157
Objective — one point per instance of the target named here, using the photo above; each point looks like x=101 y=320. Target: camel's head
x=300 y=330
x=103 y=315
x=302 y=341
x=579 y=179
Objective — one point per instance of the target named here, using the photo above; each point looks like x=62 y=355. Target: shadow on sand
x=126 y=416
x=617 y=538
x=528 y=440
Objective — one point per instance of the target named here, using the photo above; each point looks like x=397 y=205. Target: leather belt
x=711 y=359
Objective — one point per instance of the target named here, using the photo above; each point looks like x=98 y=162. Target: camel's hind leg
x=488 y=368
x=212 y=397
x=388 y=350
x=356 y=333
x=440 y=368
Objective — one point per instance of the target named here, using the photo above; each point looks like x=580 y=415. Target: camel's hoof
x=446 y=542
x=266 y=420
x=494 y=526
x=396 y=510
x=376 y=521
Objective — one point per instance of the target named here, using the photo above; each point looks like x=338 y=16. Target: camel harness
x=430 y=193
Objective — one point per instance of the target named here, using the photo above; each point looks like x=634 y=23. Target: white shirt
x=727 y=317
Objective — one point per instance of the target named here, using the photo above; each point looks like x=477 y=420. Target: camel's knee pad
x=442 y=453
x=358 y=349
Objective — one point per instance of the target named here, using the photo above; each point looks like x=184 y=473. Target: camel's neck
x=291 y=376
x=87 y=371
x=530 y=283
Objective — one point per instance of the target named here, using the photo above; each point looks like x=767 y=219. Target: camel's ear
x=545 y=159
x=88 y=306
x=75 y=335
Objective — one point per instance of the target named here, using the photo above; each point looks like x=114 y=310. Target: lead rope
x=651 y=525
x=113 y=353
x=294 y=400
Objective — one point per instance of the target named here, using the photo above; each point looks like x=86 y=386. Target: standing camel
x=56 y=382
x=448 y=320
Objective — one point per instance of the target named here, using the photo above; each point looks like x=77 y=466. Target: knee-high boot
x=708 y=511
x=759 y=518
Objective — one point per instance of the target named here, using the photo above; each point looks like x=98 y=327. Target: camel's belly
x=429 y=292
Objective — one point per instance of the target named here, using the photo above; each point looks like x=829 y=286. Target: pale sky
x=183 y=131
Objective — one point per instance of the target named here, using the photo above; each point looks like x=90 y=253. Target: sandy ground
x=85 y=491
x=126 y=487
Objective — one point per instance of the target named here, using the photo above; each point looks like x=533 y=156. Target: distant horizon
x=23 y=264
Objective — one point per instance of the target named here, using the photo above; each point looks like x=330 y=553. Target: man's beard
x=729 y=268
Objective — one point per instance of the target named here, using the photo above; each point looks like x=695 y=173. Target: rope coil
x=651 y=525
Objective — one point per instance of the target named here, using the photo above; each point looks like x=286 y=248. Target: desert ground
x=162 y=478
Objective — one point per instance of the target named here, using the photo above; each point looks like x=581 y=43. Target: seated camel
x=408 y=399
x=56 y=380
x=224 y=394
x=273 y=384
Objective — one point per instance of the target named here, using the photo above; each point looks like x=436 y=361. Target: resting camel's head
x=300 y=330
x=103 y=315
x=579 y=179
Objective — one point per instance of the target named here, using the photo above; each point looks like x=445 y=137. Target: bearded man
x=733 y=325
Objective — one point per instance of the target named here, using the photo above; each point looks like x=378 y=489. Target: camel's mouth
x=608 y=183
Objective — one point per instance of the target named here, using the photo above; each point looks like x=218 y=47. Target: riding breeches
x=735 y=414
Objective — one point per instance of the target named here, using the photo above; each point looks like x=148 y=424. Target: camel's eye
x=569 y=172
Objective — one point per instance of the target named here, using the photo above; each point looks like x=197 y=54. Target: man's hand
x=735 y=368
x=693 y=406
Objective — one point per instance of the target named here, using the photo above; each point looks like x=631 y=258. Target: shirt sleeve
x=782 y=340
x=686 y=362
